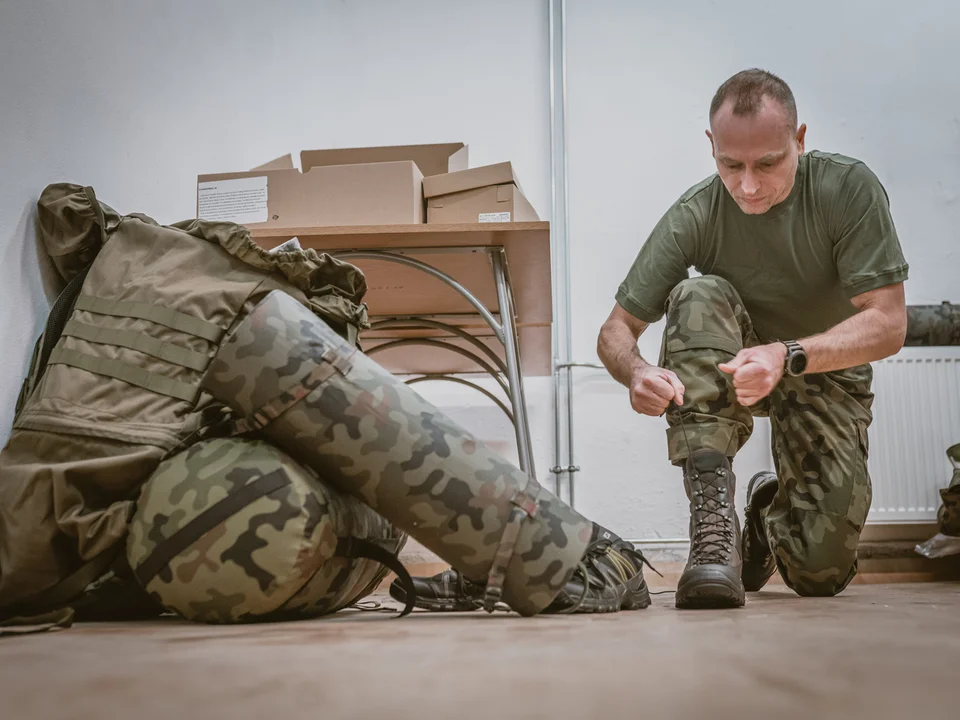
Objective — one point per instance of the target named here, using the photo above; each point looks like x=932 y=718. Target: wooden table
x=479 y=294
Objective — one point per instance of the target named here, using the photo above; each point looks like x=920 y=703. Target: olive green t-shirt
x=796 y=266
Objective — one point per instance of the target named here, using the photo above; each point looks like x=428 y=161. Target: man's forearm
x=868 y=336
x=618 y=352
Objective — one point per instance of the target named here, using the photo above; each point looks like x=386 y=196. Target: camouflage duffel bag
x=234 y=530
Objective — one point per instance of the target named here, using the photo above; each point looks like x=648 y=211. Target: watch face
x=798 y=363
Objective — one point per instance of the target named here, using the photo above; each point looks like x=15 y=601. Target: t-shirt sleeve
x=660 y=264
x=866 y=247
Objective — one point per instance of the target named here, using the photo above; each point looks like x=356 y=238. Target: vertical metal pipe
x=556 y=427
x=563 y=342
x=565 y=284
x=558 y=231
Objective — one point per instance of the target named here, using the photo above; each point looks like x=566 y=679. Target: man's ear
x=713 y=152
x=801 y=134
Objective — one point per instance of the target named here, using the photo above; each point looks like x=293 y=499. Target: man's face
x=756 y=155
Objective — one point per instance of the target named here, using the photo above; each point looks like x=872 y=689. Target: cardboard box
x=277 y=195
x=431 y=159
x=486 y=194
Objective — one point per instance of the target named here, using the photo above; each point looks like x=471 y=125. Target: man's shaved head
x=747 y=90
x=755 y=140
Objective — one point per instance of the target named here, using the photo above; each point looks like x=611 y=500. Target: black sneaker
x=609 y=578
x=758 y=561
x=447 y=591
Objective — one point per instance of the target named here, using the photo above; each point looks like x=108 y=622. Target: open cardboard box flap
x=431 y=159
x=499 y=174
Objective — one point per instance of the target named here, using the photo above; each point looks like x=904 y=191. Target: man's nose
x=749 y=184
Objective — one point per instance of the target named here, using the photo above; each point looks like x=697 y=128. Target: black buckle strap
x=169 y=548
x=351 y=547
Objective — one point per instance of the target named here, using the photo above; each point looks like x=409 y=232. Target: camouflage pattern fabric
x=234 y=530
x=933 y=324
x=362 y=429
x=819 y=425
x=120 y=390
x=948 y=515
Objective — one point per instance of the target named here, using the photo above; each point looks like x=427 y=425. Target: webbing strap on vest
x=138 y=341
x=154 y=313
x=59 y=313
x=119 y=370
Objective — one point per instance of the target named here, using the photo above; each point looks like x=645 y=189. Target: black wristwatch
x=795 y=363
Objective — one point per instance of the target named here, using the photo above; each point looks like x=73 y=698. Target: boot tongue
x=707 y=460
x=713 y=530
x=601 y=533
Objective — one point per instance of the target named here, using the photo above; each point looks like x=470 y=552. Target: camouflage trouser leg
x=366 y=432
x=819 y=435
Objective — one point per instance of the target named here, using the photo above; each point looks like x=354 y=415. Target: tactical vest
x=114 y=386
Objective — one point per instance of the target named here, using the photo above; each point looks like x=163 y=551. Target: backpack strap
x=56 y=321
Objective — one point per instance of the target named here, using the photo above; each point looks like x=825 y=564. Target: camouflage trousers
x=819 y=435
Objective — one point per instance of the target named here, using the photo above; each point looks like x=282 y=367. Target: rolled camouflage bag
x=334 y=409
x=234 y=530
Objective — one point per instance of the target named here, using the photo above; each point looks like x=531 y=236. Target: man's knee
x=822 y=569
x=708 y=288
x=705 y=312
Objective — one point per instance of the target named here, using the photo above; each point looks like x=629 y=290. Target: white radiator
x=916 y=418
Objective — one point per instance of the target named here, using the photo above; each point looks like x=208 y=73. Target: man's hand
x=756 y=371
x=652 y=388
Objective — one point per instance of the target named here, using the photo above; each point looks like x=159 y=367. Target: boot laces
x=713 y=534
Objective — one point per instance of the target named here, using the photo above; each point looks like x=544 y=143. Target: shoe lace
x=625 y=560
x=713 y=535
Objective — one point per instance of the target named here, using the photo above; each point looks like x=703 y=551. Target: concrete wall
x=136 y=99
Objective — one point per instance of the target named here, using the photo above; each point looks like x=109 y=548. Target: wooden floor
x=877 y=651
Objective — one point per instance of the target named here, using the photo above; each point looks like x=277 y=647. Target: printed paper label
x=495 y=217
x=242 y=200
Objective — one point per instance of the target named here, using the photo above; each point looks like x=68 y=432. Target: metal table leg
x=505 y=331
x=511 y=350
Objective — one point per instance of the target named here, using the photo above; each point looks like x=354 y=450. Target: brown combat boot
x=758 y=561
x=711 y=578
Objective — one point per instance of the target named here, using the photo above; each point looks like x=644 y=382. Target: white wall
x=875 y=80
x=138 y=98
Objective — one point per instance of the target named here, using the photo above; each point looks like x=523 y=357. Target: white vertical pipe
x=560 y=251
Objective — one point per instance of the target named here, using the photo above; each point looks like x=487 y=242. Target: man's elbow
x=602 y=342
x=896 y=332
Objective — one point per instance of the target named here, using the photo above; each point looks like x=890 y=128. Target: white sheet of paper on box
x=495 y=217
x=242 y=201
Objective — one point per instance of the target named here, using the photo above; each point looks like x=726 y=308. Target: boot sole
x=709 y=588
x=437 y=605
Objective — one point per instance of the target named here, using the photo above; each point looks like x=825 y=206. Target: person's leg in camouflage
x=805 y=519
x=706 y=325
x=819 y=426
